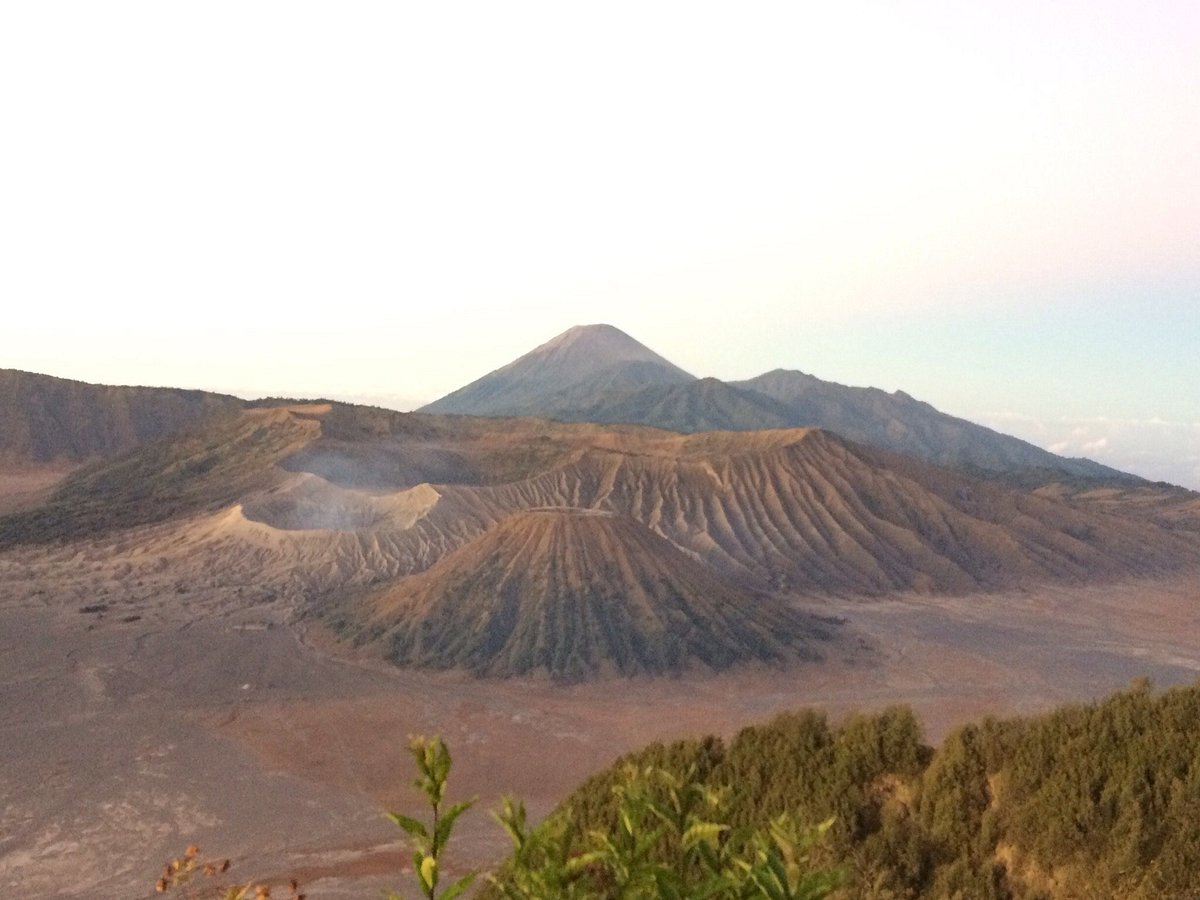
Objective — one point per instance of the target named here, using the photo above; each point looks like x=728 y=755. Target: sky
x=994 y=206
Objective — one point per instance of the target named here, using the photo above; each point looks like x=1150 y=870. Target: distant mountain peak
x=597 y=345
x=583 y=332
x=585 y=360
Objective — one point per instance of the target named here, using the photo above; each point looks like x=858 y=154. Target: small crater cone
x=578 y=593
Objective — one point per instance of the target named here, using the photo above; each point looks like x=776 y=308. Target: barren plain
x=135 y=728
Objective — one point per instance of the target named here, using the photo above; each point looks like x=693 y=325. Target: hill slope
x=581 y=362
x=903 y=424
x=575 y=593
x=205 y=468
x=45 y=419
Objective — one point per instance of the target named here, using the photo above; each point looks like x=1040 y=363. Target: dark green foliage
x=669 y=840
x=1109 y=793
x=1100 y=800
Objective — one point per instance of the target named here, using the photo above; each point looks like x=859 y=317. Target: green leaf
x=446 y=825
x=415 y=828
x=667 y=890
x=583 y=860
x=708 y=855
x=458 y=887
x=767 y=884
x=778 y=868
x=664 y=813
x=626 y=821
x=703 y=833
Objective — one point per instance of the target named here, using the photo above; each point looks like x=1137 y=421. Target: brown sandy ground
x=123 y=741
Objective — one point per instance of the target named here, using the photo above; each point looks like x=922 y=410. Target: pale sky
x=994 y=206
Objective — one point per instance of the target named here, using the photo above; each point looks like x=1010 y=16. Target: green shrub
x=672 y=842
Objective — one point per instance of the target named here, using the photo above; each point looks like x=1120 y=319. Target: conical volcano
x=575 y=593
x=582 y=362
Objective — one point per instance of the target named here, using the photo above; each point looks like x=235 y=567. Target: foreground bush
x=671 y=842
x=1094 y=800
x=1098 y=800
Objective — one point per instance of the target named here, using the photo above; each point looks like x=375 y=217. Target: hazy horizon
x=993 y=207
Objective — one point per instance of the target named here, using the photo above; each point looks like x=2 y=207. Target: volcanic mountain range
x=597 y=373
x=510 y=546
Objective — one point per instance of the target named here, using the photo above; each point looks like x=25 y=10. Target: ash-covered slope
x=47 y=419
x=574 y=593
x=803 y=510
x=582 y=362
x=789 y=510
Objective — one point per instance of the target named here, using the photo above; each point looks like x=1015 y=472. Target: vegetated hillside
x=575 y=593
x=1172 y=507
x=204 y=469
x=581 y=362
x=47 y=419
x=1100 y=800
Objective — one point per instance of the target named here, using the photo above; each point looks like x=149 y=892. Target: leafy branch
x=433 y=764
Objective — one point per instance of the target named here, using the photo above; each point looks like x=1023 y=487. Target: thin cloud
x=1155 y=448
